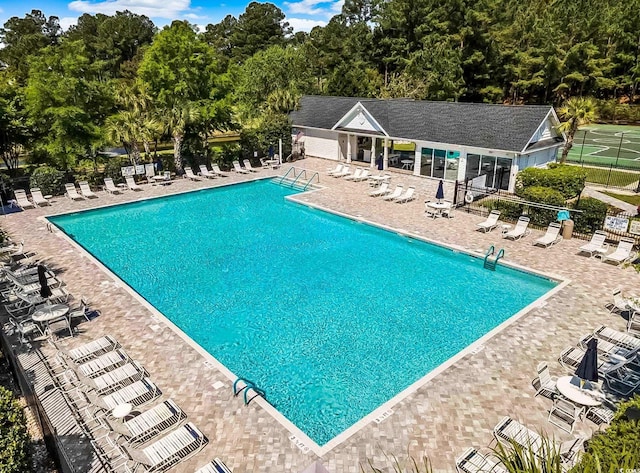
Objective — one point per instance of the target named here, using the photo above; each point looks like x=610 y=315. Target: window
x=426 y=162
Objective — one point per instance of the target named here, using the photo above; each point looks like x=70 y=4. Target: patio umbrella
x=42 y=277
x=440 y=191
x=588 y=367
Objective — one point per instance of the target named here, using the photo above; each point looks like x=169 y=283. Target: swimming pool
x=329 y=316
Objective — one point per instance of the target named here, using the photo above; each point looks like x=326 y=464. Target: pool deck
x=455 y=410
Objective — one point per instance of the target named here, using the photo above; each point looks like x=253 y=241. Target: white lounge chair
x=597 y=245
x=190 y=175
x=624 y=252
x=356 y=175
x=90 y=349
x=397 y=192
x=217 y=170
x=21 y=199
x=37 y=197
x=364 y=176
x=520 y=230
x=110 y=381
x=407 y=196
x=618 y=338
x=247 y=166
x=264 y=163
x=204 y=171
x=215 y=466
x=620 y=303
x=131 y=184
x=238 y=169
x=551 y=237
x=137 y=394
x=472 y=461
x=544 y=383
x=564 y=414
x=490 y=223
x=382 y=190
x=345 y=172
x=86 y=191
x=335 y=170
x=71 y=192
x=167 y=451
x=110 y=187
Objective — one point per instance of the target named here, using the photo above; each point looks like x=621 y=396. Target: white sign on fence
x=128 y=171
x=149 y=170
x=139 y=168
x=635 y=227
x=618 y=224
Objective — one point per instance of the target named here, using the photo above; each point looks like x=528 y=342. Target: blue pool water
x=329 y=316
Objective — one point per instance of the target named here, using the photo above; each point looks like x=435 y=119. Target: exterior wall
x=537 y=158
x=321 y=143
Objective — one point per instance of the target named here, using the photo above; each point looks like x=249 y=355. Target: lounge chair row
x=598 y=247
x=99 y=379
x=398 y=195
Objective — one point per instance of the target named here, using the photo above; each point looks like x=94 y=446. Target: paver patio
x=455 y=410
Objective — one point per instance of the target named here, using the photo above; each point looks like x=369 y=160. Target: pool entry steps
x=491 y=263
x=242 y=385
x=294 y=174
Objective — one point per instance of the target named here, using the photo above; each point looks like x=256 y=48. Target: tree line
x=119 y=80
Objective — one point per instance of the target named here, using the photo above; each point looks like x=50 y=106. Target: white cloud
x=303 y=24
x=314 y=7
x=68 y=21
x=152 y=8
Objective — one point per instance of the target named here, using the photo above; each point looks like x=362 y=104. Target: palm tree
x=176 y=121
x=577 y=111
x=123 y=128
x=282 y=101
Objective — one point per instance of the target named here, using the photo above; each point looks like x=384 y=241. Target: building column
x=462 y=165
x=417 y=160
x=348 y=148
x=385 y=160
x=373 y=153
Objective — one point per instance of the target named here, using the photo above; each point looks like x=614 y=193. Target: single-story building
x=444 y=140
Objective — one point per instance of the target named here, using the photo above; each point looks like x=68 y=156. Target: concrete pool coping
x=298 y=437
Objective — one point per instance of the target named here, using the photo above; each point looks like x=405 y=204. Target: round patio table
x=49 y=313
x=569 y=387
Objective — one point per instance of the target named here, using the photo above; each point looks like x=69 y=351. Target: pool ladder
x=246 y=388
x=491 y=263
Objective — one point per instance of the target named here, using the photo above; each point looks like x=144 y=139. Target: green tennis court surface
x=606 y=145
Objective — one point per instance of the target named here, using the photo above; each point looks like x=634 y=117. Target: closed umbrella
x=588 y=367
x=440 y=191
x=42 y=277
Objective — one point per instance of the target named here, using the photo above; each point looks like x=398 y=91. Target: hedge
x=568 y=180
x=592 y=216
x=48 y=179
x=15 y=455
x=543 y=195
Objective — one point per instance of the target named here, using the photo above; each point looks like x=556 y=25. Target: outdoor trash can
x=567 y=229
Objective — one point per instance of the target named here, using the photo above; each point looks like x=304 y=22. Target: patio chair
x=22 y=200
x=166 y=452
x=623 y=253
x=204 y=171
x=217 y=170
x=544 y=383
x=25 y=329
x=363 y=176
x=509 y=430
x=86 y=191
x=356 y=175
x=335 y=170
x=633 y=325
x=564 y=414
x=188 y=172
x=344 y=172
x=382 y=190
x=620 y=303
x=520 y=230
x=248 y=167
x=597 y=245
x=264 y=163
x=131 y=184
x=141 y=428
x=551 y=237
x=82 y=310
x=622 y=380
x=110 y=187
x=600 y=415
x=110 y=381
x=448 y=211
x=407 y=196
x=490 y=223
x=37 y=197
x=71 y=192
x=397 y=192
x=96 y=366
x=237 y=168
x=215 y=466
x=472 y=461
x=89 y=350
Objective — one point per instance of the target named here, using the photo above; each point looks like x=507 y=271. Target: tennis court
x=606 y=146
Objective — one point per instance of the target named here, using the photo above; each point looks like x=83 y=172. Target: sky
x=302 y=15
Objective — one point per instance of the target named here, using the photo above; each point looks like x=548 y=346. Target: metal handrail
x=303 y=173
x=309 y=181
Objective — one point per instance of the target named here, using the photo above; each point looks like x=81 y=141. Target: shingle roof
x=503 y=127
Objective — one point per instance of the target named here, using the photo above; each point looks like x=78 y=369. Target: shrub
x=86 y=171
x=14 y=438
x=48 y=179
x=508 y=210
x=112 y=168
x=543 y=195
x=568 y=180
x=592 y=216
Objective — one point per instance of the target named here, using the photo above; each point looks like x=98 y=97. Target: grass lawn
x=611 y=177
x=630 y=199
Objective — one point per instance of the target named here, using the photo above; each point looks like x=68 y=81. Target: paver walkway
x=455 y=410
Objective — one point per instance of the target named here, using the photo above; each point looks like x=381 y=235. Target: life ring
x=468 y=197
